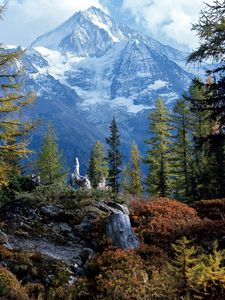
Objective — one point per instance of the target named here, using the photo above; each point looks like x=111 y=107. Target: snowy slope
x=91 y=68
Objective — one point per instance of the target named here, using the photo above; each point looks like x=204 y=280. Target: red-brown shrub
x=211 y=209
x=118 y=275
x=160 y=221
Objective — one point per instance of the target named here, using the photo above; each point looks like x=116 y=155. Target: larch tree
x=134 y=172
x=13 y=128
x=98 y=167
x=49 y=162
x=114 y=157
x=181 y=157
x=158 y=157
x=211 y=32
x=205 y=176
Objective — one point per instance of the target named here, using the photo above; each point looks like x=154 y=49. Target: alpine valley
x=92 y=68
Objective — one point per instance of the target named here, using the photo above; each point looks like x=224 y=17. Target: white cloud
x=26 y=19
x=168 y=20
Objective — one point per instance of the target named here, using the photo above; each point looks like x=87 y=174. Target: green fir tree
x=114 y=158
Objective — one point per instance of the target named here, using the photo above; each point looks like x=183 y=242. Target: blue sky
x=169 y=21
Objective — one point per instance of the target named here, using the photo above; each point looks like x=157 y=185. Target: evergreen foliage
x=210 y=30
x=98 y=169
x=13 y=129
x=114 y=157
x=182 y=163
x=49 y=162
x=208 y=148
x=159 y=152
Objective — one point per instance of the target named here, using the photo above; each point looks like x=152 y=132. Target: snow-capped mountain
x=91 y=68
x=92 y=32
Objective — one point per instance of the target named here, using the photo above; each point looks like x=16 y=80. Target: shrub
x=116 y=274
x=10 y=288
x=211 y=209
x=161 y=221
x=35 y=291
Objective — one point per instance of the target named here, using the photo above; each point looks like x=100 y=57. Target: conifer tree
x=49 y=162
x=114 y=157
x=13 y=129
x=205 y=183
x=158 y=157
x=212 y=270
x=182 y=162
x=98 y=169
x=183 y=266
x=135 y=184
x=210 y=30
x=197 y=275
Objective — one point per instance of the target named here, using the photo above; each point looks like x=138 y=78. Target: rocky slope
x=67 y=234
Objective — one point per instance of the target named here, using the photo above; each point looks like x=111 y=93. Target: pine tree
x=158 y=157
x=135 y=184
x=13 y=130
x=114 y=158
x=49 y=163
x=182 y=162
x=98 y=169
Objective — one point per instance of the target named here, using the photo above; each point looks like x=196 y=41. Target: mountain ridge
x=102 y=20
x=97 y=69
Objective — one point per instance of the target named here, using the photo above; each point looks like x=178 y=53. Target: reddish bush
x=206 y=232
x=211 y=209
x=160 y=221
x=118 y=275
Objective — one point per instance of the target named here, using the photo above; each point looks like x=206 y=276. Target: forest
x=55 y=229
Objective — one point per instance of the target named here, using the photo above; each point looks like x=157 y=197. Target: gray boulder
x=119 y=231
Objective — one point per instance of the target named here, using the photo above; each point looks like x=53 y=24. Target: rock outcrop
x=81 y=181
x=118 y=229
x=70 y=235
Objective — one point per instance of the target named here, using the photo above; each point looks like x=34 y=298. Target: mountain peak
x=94 y=9
x=92 y=32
